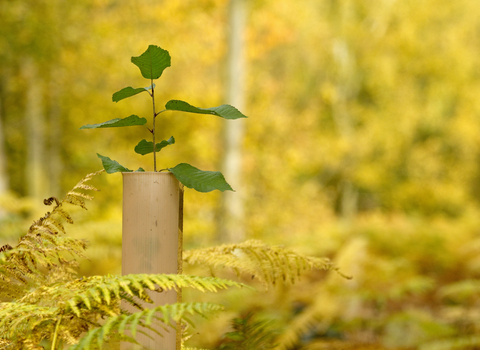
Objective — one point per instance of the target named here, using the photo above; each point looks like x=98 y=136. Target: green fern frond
x=82 y=301
x=160 y=315
x=100 y=296
x=268 y=264
x=92 y=291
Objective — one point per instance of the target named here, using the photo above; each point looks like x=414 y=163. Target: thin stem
x=153 y=129
x=55 y=335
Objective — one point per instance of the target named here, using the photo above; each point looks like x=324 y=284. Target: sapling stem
x=153 y=128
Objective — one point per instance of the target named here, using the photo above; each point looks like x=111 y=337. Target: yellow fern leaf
x=41 y=246
x=266 y=263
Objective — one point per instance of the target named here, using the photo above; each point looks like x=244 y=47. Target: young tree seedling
x=152 y=63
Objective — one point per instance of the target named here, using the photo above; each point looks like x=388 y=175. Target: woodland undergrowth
x=45 y=304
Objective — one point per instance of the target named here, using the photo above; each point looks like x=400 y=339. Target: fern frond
x=250 y=334
x=93 y=291
x=78 y=198
x=41 y=247
x=299 y=325
x=165 y=314
x=64 y=215
x=101 y=295
x=268 y=264
x=18 y=319
x=468 y=342
x=88 y=177
x=17 y=268
x=26 y=344
x=75 y=200
x=22 y=323
x=5 y=344
x=8 y=289
x=20 y=264
x=82 y=195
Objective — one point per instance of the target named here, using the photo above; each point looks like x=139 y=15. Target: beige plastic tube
x=152 y=240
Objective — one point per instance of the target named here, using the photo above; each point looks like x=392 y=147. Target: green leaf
x=152 y=62
x=224 y=111
x=129 y=91
x=146 y=147
x=112 y=166
x=202 y=181
x=118 y=122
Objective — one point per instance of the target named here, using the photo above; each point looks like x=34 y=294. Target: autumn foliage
x=362 y=145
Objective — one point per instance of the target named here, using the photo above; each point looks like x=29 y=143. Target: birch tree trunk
x=35 y=174
x=231 y=221
x=55 y=163
x=346 y=91
x=56 y=79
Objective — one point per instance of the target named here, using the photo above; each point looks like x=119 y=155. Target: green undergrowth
x=45 y=303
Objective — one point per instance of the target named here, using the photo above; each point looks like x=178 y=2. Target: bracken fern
x=42 y=248
x=268 y=264
x=43 y=299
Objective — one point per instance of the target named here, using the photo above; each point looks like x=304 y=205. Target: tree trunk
x=231 y=221
x=4 y=181
x=35 y=174
x=346 y=89
x=55 y=164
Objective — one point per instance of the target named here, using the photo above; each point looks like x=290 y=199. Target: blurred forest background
x=362 y=145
